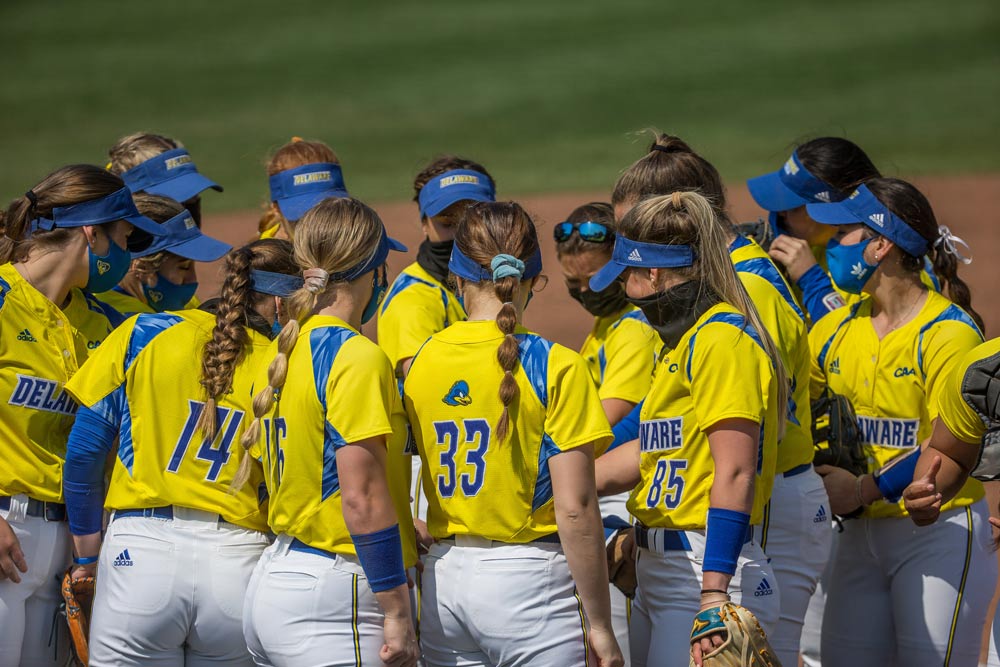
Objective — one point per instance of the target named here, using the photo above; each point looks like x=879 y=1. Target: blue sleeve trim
x=725 y=535
x=627 y=429
x=402 y=282
x=4 y=289
x=381 y=557
x=893 y=478
x=543 y=483
x=98 y=306
x=325 y=344
x=534 y=353
x=147 y=327
x=825 y=350
x=765 y=268
x=818 y=293
x=732 y=319
x=952 y=313
x=90 y=440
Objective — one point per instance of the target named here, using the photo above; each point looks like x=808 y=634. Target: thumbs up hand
x=921 y=497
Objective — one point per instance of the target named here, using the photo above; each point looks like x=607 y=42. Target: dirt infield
x=969 y=205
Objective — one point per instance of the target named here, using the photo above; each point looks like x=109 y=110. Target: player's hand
x=710 y=642
x=83 y=571
x=841 y=487
x=794 y=254
x=605 y=647
x=400 y=648
x=424 y=539
x=12 y=562
x=921 y=497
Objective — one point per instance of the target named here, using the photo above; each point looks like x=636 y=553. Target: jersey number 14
x=214 y=451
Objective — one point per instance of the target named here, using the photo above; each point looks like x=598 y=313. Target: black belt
x=545 y=539
x=166 y=513
x=47 y=510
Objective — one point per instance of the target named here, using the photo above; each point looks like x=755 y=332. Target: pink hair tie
x=316 y=280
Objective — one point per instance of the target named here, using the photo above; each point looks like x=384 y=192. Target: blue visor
x=636 y=253
x=116 y=206
x=298 y=190
x=184 y=239
x=275 y=284
x=790 y=187
x=464 y=267
x=864 y=207
x=172 y=174
x=454 y=186
x=385 y=244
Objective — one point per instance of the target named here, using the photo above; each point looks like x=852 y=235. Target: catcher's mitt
x=836 y=426
x=621 y=568
x=78 y=596
x=744 y=645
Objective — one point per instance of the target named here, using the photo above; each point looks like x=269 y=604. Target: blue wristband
x=725 y=535
x=893 y=478
x=381 y=556
x=86 y=560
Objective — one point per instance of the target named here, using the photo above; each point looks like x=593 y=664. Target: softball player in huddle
x=300 y=174
x=66 y=234
x=701 y=472
x=506 y=424
x=619 y=350
x=795 y=531
x=174 y=389
x=162 y=277
x=925 y=591
x=332 y=435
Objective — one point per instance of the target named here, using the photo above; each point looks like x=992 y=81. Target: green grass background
x=548 y=94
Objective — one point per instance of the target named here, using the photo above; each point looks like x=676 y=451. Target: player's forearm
x=950 y=478
x=582 y=537
x=364 y=490
x=618 y=470
x=395 y=602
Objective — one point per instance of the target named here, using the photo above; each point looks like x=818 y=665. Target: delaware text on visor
x=170 y=174
x=628 y=253
x=297 y=190
x=454 y=186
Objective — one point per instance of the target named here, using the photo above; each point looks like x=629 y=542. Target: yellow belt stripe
x=961 y=587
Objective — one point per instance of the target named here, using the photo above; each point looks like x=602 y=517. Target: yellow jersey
x=893 y=383
x=416 y=306
x=474 y=483
x=719 y=370
x=785 y=321
x=127 y=305
x=146 y=377
x=340 y=389
x=964 y=422
x=41 y=347
x=620 y=350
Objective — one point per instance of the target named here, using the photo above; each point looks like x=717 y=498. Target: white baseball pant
x=620 y=605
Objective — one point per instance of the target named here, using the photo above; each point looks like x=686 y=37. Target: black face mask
x=601 y=304
x=673 y=312
x=433 y=256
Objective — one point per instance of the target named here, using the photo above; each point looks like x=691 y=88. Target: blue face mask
x=276 y=327
x=107 y=271
x=165 y=295
x=848 y=268
x=379 y=286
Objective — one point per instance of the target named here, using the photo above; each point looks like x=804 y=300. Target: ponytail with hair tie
x=504 y=266
x=316 y=279
x=948 y=243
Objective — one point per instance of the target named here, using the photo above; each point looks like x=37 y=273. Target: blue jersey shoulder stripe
x=739 y=242
x=324 y=345
x=630 y=315
x=929 y=270
x=952 y=313
x=147 y=327
x=543 y=483
x=825 y=350
x=98 y=306
x=732 y=319
x=766 y=269
x=4 y=289
x=403 y=281
x=534 y=353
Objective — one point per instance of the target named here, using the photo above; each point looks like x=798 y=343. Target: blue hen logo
x=458 y=394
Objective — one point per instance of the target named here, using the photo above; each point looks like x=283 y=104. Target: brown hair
x=237 y=301
x=333 y=236
x=296 y=153
x=488 y=229
x=599 y=212
x=69 y=185
x=132 y=150
x=670 y=165
x=688 y=218
x=912 y=206
x=440 y=165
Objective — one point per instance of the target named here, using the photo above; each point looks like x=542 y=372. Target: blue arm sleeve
x=627 y=429
x=381 y=556
x=893 y=478
x=725 y=534
x=818 y=294
x=83 y=474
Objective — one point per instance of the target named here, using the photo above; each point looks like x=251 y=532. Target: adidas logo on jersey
x=634 y=256
x=26 y=336
x=820 y=515
x=835 y=366
x=877 y=218
x=763 y=589
x=123 y=560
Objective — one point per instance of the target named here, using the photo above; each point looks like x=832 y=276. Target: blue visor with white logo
x=462 y=266
x=299 y=189
x=116 y=206
x=172 y=174
x=636 y=253
x=454 y=186
x=385 y=244
x=864 y=207
x=790 y=187
x=183 y=238
x=275 y=284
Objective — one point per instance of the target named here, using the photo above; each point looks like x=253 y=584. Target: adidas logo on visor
x=877 y=218
x=634 y=256
x=823 y=196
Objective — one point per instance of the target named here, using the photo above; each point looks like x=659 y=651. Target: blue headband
x=790 y=187
x=171 y=174
x=385 y=244
x=116 y=206
x=636 y=253
x=454 y=186
x=505 y=265
x=298 y=190
x=182 y=237
x=865 y=208
x=275 y=284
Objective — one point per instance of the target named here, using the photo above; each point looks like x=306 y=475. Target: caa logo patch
x=458 y=394
x=903 y=371
x=41 y=394
x=123 y=560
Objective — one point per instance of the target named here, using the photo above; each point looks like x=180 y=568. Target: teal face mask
x=380 y=284
x=166 y=295
x=106 y=271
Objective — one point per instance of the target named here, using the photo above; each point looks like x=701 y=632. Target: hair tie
x=316 y=279
x=296 y=140
x=663 y=149
x=33 y=198
x=947 y=242
x=504 y=266
x=675 y=199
